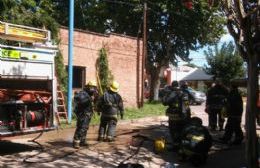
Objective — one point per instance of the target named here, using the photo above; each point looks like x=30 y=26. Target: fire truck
x=27 y=80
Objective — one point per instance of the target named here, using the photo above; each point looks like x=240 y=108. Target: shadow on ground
x=9 y=148
x=220 y=155
x=133 y=144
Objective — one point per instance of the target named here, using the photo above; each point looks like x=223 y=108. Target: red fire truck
x=27 y=81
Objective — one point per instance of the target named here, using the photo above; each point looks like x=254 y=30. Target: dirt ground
x=134 y=144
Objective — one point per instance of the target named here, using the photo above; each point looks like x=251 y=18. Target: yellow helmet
x=92 y=83
x=114 y=86
x=159 y=145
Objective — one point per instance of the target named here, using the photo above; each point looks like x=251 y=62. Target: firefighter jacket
x=217 y=97
x=111 y=104
x=178 y=102
x=83 y=104
x=195 y=139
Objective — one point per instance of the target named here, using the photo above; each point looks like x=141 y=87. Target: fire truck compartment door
x=26 y=69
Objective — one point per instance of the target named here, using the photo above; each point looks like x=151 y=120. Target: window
x=79 y=77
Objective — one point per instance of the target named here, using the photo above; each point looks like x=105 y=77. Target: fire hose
x=30 y=160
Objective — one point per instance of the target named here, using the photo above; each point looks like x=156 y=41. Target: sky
x=199 y=57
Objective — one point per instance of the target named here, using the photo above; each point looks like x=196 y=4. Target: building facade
x=124 y=58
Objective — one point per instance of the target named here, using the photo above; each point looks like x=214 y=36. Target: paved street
x=134 y=144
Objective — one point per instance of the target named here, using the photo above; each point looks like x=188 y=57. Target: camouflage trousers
x=82 y=128
x=107 y=127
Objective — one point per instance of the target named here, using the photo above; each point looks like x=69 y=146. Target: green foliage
x=102 y=16
x=61 y=72
x=224 y=63
x=177 y=30
x=104 y=73
x=31 y=13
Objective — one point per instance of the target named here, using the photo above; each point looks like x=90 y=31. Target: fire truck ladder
x=61 y=113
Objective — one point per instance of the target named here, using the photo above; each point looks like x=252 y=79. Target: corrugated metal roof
x=198 y=75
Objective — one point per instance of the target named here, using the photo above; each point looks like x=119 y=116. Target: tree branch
x=237 y=38
x=232 y=30
x=242 y=51
x=226 y=5
x=240 y=13
x=229 y=11
x=239 y=9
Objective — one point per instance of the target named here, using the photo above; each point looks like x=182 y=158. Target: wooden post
x=144 y=53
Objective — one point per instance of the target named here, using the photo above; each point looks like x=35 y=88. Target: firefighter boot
x=84 y=143
x=100 y=138
x=110 y=139
x=76 y=144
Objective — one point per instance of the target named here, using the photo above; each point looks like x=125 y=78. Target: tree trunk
x=251 y=139
x=155 y=84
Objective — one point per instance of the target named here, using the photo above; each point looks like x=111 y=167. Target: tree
x=225 y=63
x=243 y=22
x=104 y=74
x=102 y=16
x=177 y=30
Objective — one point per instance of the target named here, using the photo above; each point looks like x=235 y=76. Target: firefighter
x=195 y=142
x=110 y=105
x=235 y=110
x=184 y=88
x=215 y=103
x=83 y=101
x=177 y=112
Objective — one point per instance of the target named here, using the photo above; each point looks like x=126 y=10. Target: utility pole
x=144 y=51
x=70 y=58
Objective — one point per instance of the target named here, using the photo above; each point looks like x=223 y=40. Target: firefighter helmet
x=175 y=84
x=92 y=83
x=114 y=86
x=196 y=121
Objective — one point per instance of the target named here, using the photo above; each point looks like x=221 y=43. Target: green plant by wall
x=61 y=72
x=104 y=74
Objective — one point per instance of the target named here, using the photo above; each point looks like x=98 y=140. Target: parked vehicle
x=196 y=97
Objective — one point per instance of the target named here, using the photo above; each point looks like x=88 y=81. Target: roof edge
x=100 y=34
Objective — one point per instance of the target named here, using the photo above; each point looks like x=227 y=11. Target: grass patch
x=148 y=110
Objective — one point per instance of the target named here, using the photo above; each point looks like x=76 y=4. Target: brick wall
x=122 y=58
